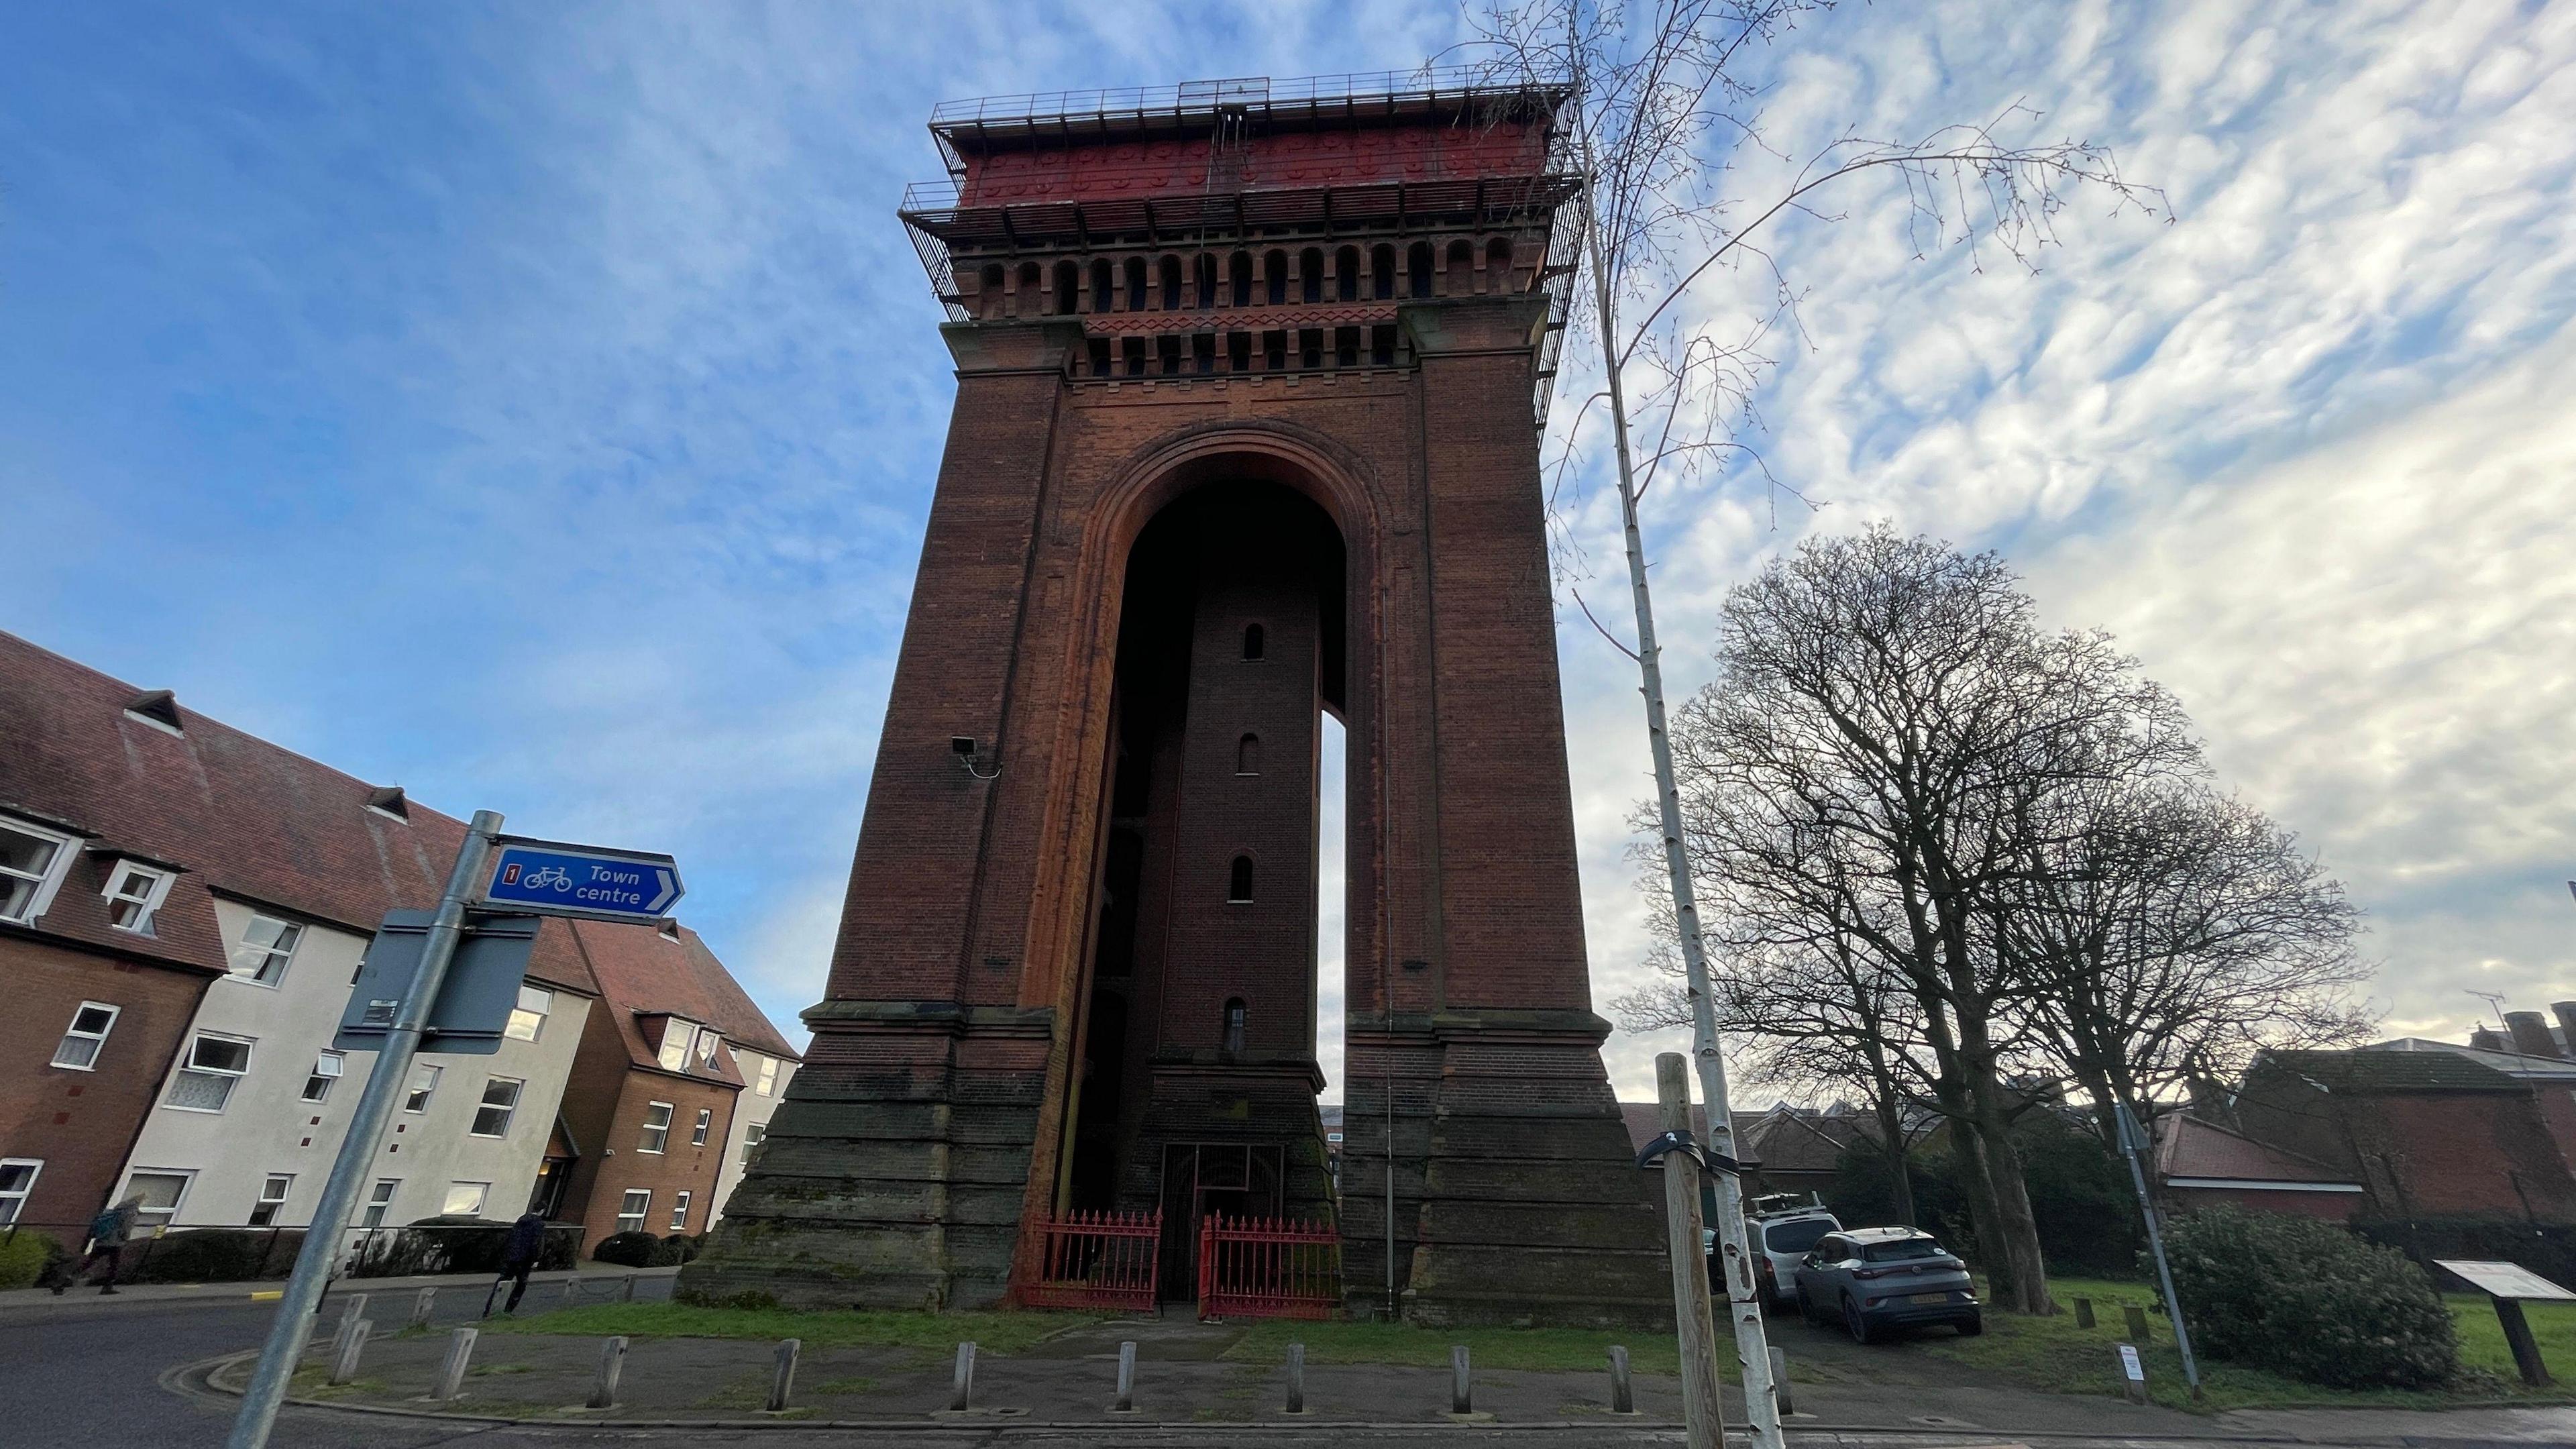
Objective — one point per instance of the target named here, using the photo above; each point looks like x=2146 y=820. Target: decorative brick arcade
x=1243 y=433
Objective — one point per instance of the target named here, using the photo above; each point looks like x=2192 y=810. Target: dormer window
x=159 y=709
x=388 y=800
x=133 y=893
x=708 y=1040
x=673 y=1052
x=32 y=863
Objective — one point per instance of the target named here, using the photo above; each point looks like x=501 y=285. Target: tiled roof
x=1796 y=1142
x=249 y=819
x=2377 y=1071
x=2188 y=1146
x=642 y=972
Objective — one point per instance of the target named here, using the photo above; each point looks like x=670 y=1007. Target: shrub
x=199 y=1255
x=458 y=1244
x=633 y=1250
x=2311 y=1300
x=675 y=1250
x=25 y=1256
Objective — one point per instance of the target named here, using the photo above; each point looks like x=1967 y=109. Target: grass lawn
x=2054 y=1354
x=1001 y=1333
x=1579 y=1350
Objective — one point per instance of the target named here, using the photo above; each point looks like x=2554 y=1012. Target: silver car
x=1874 y=1282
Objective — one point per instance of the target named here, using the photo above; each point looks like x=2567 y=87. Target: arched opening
x=1201 y=998
x=1459 y=277
x=1024 y=302
x=1171 y=284
x=1102 y=290
x=988 y=301
x=1498 y=265
x=1135 y=284
x=1382 y=272
x=1274 y=272
x=1417 y=264
x=1068 y=285
x=1240 y=273
x=1206 y=297
x=1346 y=275
x=1310 y=275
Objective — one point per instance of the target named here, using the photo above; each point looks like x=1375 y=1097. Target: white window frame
x=339 y=1068
x=643 y=1211
x=66 y=847
x=482 y=1199
x=656 y=1133
x=285 y=1183
x=705 y=1050
x=509 y=1111
x=97 y=1039
x=416 y=1097
x=270 y=970
x=161 y=1216
x=527 y=1023
x=767 y=1085
x=698 y=1130
x=188 y=1067
x=753 y=1134
x=14 y=1201
x=678 y=1036
x=680 y=1212
x=156 y=891
x=380 y=1201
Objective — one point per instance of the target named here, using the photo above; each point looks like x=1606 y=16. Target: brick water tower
x=1246 y=431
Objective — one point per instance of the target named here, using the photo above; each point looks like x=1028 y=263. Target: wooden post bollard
x=1462 y=1388
x=1780 y=1382
x=2137 y=1318
x=961 y=1395
x=612 y=1363
x=344 y=1364
x=1296 y=1380
x=2084 y=1313
x=1703 y=1414
x=626 y=1291
x=1125 y=1403
x=782 y=1379
x=451 y=1372
x=2517 y=1336
x=420 y=1306
x=1623 y=1397
x=2133 y=1374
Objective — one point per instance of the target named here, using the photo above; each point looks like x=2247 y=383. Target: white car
x=1780 y=1238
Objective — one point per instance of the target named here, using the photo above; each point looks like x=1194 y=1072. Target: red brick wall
x=82 y=1124
x=679 y=1167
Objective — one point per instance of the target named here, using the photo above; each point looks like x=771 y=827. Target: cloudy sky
x=538 y=405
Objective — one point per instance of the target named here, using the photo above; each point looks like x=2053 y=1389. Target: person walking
x=519 y=1254
x=108 y=1233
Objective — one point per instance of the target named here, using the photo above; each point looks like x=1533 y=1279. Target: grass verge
x=1574 y=1350
x=2054 y=1355
x=1001 y=1333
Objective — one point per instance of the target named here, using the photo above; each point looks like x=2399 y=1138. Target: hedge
x=2309 y=1299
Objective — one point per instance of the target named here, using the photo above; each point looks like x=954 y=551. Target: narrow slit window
x=1252 y=641
x=1238 y=882
x=1247 y=755
x=1234 y=1014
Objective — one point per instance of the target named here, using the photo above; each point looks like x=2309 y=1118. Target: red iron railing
x=1268 y=1268
x=1097 y=1260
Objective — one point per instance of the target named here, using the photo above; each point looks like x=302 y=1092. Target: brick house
x=2426 y=1133
x=2199 y=1163
x=183 y=907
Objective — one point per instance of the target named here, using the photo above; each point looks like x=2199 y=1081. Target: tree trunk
x=2015 y=1239
x=1891 y=1129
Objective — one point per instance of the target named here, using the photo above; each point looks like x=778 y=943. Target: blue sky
x=537 y=406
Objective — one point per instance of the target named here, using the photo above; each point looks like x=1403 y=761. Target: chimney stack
x=2485 y=1040
x=2566 y=1013
x=2530 y=1033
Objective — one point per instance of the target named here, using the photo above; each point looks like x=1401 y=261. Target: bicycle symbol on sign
x=552 y=875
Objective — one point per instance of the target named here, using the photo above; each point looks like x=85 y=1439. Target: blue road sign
x=555 y=879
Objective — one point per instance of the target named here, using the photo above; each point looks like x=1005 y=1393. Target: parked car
x=1875 y=1282
x=1782 y=1233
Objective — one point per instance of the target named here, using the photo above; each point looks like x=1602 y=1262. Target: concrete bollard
x=1462 y=1388
x=1623 y=1398
x=1780 y=1382
x=420 y=1306
x=2084 y=1313
x=1125 y=1403
x=782 y=1379
x=612 y=1364
x=1296 y=1380
x=961 y=1395
x=2137 y=1323
x=344 y=1363
x=626 y=1290
x=451 y=1372
x=352 y=1308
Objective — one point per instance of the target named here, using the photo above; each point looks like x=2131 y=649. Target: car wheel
x=1856 y=1323
x=1971 y=1327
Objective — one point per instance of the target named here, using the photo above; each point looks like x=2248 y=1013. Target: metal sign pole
x=2133 y=1138
x=294 y=1322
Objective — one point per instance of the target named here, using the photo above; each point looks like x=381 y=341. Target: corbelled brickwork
x=1029 y=1000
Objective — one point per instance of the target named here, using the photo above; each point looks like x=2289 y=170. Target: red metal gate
x=1268 y=1268
x=1097 y=1260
